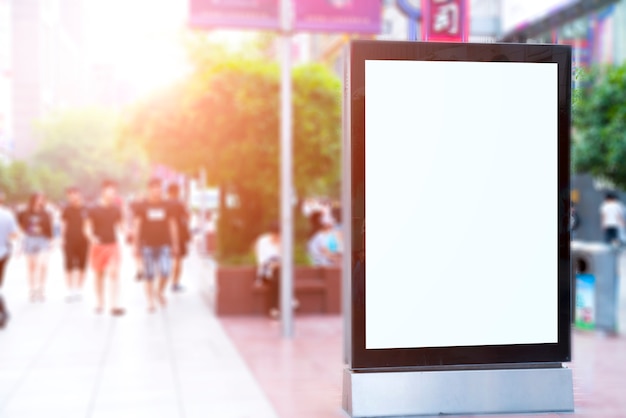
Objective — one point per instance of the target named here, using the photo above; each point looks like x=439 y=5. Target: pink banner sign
x=346 y=16
x=238 y=14
x=445 y=20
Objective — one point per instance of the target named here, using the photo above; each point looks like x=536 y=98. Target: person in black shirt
x=36 y=224
x=103 y=224
x=182 y=222
x=157 y=240
x=130 y=238
x=75 y=243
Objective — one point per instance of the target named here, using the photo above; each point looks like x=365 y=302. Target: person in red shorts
x=103 y=226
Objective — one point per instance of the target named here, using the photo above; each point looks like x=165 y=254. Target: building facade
x=596 y=29
x=47 y=65
x=397 y=25
x=6 y=81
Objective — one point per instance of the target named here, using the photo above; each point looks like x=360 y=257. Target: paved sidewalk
x=62 y=360
x=302 y=377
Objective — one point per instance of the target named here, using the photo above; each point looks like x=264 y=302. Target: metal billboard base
x=443 y=392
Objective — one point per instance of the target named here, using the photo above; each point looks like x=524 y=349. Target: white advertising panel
x=462 y=245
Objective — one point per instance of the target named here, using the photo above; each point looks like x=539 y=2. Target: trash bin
x=595 y=286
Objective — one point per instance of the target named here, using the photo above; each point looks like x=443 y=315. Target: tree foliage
x=599 y=122
x=18 y=181
x=225 y=120
x=79 y=148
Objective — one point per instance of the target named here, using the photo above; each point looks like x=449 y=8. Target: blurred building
x=396 y=25
x=48 y=69
x=484 y=20
x=596 y=29
x=107 y=88
x=6 y=81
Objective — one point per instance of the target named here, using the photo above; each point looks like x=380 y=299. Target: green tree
x=225 y=119
x=79 y=147
x=599 y=122
x=18 y=180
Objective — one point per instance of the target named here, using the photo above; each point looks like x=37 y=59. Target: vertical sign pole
x=203 y=223
x=286 y=174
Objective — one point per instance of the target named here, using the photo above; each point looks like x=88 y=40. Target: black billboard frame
x=461 y=357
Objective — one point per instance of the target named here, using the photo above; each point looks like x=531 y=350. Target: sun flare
x=139 y=39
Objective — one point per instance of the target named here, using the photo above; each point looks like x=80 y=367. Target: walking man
x=75 y=243
x=102 y=229
x=157 y=242
x=182 y=223
x=8 y=231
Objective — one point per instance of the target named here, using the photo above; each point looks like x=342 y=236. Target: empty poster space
x=461 y=206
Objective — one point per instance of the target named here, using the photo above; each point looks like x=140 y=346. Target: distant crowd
x=157 y=228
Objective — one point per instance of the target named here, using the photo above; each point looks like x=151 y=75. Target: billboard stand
x=449 y=316
x=479 y=391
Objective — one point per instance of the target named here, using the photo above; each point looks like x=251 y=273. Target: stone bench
x=317 y=289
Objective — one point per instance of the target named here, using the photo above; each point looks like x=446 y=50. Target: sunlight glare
x=140 y=39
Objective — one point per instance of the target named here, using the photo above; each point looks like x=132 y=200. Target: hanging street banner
x=234 y=14
x=344 y=16
x=445 y=20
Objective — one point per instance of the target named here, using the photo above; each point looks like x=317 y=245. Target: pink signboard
x=445 y=20
x=241 y=14
x=347 y=16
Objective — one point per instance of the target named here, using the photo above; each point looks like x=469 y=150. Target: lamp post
x=286 y=173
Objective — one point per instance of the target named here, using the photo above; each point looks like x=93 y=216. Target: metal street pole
x=202 y=224
x=286 y=173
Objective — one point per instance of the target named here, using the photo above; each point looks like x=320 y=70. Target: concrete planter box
x=317 y=289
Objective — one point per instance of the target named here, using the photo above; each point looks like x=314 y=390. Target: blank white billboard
x=461 y=203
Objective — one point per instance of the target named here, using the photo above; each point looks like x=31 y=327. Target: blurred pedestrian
x=181 y=215
x=103 y=226
x=574 y=220
x=75 y=243
x=8 y=232
x=324 y=245
x=134 y=208
x=157 y=241
x=36 y=224
x=612 y=218
x=267 y=252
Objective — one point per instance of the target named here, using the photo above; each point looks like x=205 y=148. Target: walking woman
x=36 y=224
